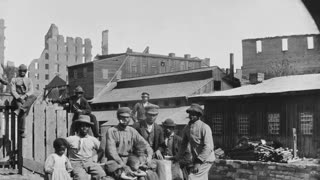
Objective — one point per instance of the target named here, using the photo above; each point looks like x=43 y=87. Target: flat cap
x=152 y=109
x=145 y=94
x=124 y=111
x=195 y=108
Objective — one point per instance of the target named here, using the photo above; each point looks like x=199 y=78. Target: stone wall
x=254 y=170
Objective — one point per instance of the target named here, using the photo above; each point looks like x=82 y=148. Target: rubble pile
x=260 y=151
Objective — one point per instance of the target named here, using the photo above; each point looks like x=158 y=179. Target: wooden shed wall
x=257 y=109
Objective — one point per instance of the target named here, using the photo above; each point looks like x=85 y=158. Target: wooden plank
x=14 y=119
x=28 y=140
x=39 y=132
x=62 y=126
x=294 y=132
x=6 y=133
x=33 y=166
x=2 y=131
x=70 y=116
x=51 y=126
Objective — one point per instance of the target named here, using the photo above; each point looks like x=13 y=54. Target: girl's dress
x=58 y=167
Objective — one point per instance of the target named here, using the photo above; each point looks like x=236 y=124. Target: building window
x=166 y=103
x=217 y=85
x=75 y=74
x=162 y=64
x=134 y=68
x=310 y=42
x=57 y=57
x=154 y=69
x=46 y=56
x=67 y=57
x=37 y=87
x=36 y=65
x=243 y=124
x=144 y=68
x=36 y=76
x=105 y=74
x=217 y=123
x=182 y=66
x=306 y=123
x=273 y=123
x=259 y=46
x=178 y=102
x=285 y=44
x=56 y=68
x=46 y=66
x=85 y=71
x=46 y=77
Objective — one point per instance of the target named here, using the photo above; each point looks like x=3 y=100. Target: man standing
x=81 y=150
x=199 y=135
x=151 y=131
x=138 y=112
x=121 y=139
x=80 y=106
x=23 y=98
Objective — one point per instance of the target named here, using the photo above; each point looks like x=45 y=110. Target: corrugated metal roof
x=283 y=84
x=182 y=89
x=178 y=114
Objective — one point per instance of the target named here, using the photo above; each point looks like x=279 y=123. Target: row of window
x=273 y=120
x=46 y=76
x=77 y=58
x=284 y=41
x=46 y=66
x=184 y=65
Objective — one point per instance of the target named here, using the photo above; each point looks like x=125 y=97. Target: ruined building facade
x=57 y=55
x=281 y=56
x=2 y=39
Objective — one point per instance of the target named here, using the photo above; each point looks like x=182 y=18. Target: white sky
x=202 y=28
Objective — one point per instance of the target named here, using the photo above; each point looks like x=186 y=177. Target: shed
x=269 y=110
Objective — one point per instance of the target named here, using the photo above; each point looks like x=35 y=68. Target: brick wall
x=254 y=170
x=273 y=61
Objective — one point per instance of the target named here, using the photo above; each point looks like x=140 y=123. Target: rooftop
x=284 y=84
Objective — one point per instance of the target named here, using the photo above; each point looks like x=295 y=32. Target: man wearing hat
x=172 y=141
x=121 y=139
x=79 y=105
x=81 y=149
x=199 y=135
x=151 y=131
x=23 y=97
x=138 y=112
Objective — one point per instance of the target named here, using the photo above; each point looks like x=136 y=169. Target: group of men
x=196 y=143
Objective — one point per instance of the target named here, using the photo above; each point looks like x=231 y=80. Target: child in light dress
x=57 y=164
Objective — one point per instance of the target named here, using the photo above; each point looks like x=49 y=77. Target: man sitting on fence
x=79 y=105
x=23 y=98
x=81 y=151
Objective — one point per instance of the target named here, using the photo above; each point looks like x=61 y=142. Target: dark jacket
x=74 y=105
x=158 y=143
x=138 y=111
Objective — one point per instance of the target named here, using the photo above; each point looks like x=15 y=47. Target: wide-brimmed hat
x=152 y=109
x=169 y=122
x=83 y=119
x=195 y=108
x=124 y=111
x=78 y=89
x=111 y=166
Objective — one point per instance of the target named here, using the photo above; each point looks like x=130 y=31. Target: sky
x=203 y=28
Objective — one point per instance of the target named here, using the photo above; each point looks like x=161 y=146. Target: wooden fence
x=44 y=124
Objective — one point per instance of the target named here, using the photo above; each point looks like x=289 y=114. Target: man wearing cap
x=138 y=111
x=151 y=131
x=121 y=139
x=23 y=97
x=199 y=135
x=81 y=151
x=79 y=105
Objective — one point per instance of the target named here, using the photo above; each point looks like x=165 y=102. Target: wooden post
x=294 y=142
x=13 y=139
x=20 y=157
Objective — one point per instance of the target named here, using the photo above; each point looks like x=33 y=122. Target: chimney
x=172 y=54
x=231 y=66
x=104 y=43
x=187 y=56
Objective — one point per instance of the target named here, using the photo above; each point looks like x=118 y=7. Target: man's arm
x=208 y=143
x=85 y=107
x=30 y=88
x=111 y=150
x=13 y=89
x=138 y=138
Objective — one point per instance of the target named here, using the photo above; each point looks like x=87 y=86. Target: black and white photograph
x=159 y=90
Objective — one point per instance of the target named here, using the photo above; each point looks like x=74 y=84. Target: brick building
x=94 y=75
x=56 y=56
x=2 y=39
x=282 y=55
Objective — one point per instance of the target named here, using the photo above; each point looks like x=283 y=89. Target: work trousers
x=24 y=109
x=82 y=169
x=202 y=173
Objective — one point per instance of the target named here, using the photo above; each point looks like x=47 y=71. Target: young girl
x=57 y=164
